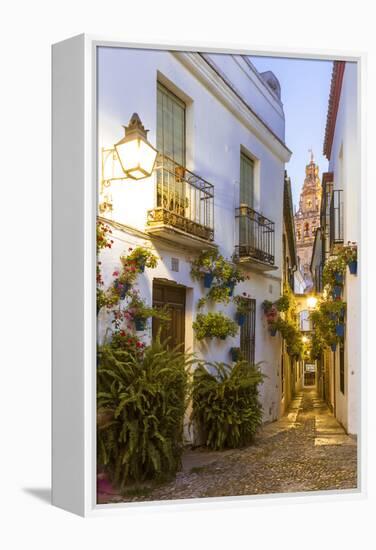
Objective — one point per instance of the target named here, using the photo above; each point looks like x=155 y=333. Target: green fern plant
x=226 y=409
x=143 y=401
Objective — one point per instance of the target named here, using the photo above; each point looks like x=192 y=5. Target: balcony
x=256 y=239
x=184 y=206
x=336 y=220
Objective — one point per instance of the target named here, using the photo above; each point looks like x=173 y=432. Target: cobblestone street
x=307 y=450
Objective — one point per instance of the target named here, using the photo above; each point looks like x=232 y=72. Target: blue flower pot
x=141 y=268
x=240 y=317
x=340 y=330
x=339 y=277
x=336 y=292
x=234 y=354
x=231 y=287
x=273 y=331
x=333 y=347
x=208 y=280
x=124 y=287
x=140 y=323
x=353 y=267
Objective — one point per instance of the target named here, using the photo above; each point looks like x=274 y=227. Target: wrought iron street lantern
x=136 y=155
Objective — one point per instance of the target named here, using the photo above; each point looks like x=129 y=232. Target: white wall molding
x=231 y=100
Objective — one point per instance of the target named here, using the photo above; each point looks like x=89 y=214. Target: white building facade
x=218 y=126
x=340 y=223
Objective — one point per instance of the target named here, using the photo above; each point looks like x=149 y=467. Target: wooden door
x=172 y=298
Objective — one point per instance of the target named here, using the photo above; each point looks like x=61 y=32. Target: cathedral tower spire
x=307 y=218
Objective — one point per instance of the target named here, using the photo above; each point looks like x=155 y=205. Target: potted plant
x=142 y=257
x=336 y=291
x=214 y=325
x=230 y=275
x=271 y=315
x=212 y=267
x=340 y=330
x=283 y=303
x=235 y=354
x=139 y=311
x=350 y=253
x=334 y=270
x=242 y=306
x=203 y=267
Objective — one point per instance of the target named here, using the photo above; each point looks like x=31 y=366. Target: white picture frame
x=74 y=207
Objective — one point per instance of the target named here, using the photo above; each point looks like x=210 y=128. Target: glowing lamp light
x=136 y=155
x=304 y=339
x=311 y=302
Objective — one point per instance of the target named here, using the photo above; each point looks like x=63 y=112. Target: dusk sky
x=305 y=88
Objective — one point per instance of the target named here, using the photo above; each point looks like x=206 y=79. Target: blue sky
x=305 y=86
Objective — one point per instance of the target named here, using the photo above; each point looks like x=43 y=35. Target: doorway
x=172 y=298
x=309 y=375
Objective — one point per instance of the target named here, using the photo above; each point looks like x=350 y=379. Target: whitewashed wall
x=127 y=83
x=345 y=165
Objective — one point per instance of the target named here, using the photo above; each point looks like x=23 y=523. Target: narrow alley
x=306 y=450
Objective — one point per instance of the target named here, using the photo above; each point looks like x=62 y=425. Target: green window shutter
x=246 y=180
x=170 y=125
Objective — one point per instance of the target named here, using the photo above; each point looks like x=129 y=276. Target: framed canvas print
x=207 y=275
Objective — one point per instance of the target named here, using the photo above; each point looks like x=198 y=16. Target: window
x=306 y=229
x=247 y=169
x=247 y=332
x=170 y=125
x=171 y=186
x=304 y=321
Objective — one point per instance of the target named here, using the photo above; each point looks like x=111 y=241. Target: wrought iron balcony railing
x=336 y=218
x=183 y=201
x=256 y=236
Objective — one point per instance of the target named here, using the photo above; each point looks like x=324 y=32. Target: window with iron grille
x=248 y=332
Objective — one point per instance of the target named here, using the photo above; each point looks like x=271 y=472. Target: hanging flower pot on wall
x=140 y=323
x=340 y=330
x=240 y=317
x=123 y=288
x=336 y=292
x=353 y=267
x=339 y=277
x=235 y=354
x=333 y=347
x=273 y=331
x=231 y=287
x=208 y=280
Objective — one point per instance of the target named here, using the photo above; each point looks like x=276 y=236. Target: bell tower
x=307 y=218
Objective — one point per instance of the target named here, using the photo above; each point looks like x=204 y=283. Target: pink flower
x=115 y=274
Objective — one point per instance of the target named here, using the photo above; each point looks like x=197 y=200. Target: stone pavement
x=306 y=450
